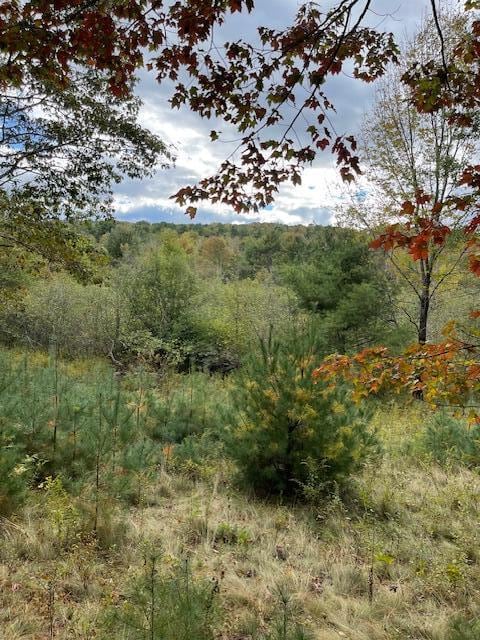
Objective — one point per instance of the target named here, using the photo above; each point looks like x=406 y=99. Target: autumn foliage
x=442 y=374
x=251 y=86
x=446 y=373
x=255 y=88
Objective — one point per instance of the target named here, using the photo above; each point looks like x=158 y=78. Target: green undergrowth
x=132 y=525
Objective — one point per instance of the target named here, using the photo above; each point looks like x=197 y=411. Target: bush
x=80 y=320
x=198 y=456
x=170 y=606
x=462 y=629
x=449 y=439
x=285 y=429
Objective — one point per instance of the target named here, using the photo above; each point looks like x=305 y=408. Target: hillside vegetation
x=171 y=470
x=114 y=533
x=239 y=431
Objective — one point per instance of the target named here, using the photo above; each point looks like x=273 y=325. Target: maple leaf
x=377 y=243
x=422 y=198
x=408 y=208
x=418 y=251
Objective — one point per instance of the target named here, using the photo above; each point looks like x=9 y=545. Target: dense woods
x=239 y=431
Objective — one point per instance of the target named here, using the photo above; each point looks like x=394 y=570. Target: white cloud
x=311 y=202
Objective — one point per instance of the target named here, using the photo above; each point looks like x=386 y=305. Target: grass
x=395 y=556
x=417 y=525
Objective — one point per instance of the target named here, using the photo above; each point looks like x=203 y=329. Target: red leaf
x=422 y=197
x=323 y=143
x=408 y=208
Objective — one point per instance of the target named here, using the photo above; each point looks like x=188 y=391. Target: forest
x=238 y=431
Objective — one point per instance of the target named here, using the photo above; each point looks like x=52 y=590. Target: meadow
x=123 y=518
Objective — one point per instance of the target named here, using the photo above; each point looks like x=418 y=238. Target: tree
x=261 y=250
x=159 y=289
x=446 y=373
x=63 y=149
x=217 y=251
x=408 y=155
x=60 y=153
x=12 y=467
x=122 y=239
x=250 y=86
x=28 y=227
x=174 y=605
x=253 y=87
x=285 y=431
x=63 y=143
x=348 y=289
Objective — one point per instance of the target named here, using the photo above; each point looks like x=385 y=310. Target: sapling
x=51 y=608
x=100 y=443
x=56 y=399
x=153 y=577
x=165 y=604
x=371 y=576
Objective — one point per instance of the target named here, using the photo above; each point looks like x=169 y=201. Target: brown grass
x=417 y=523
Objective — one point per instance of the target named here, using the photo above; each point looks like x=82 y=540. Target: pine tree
x=165 y=605
x=285 y=430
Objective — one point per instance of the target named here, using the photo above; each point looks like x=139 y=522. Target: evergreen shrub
x=450 y=439
x=286 y=430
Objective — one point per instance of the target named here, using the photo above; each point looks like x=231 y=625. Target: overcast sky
x=197 y=156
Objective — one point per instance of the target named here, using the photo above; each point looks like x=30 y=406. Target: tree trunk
x=423 y=313
x=424 y=296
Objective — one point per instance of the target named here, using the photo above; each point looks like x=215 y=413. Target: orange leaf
x=408 y=208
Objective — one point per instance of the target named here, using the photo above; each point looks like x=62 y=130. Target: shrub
x=198 y=456
x=62 y=516
x=285 y=429
x=168 y=605
x=232 y=534
x=78 y=319
x=462 y=629
x=449 y=439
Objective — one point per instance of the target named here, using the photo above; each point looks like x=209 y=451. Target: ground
x=397 y=555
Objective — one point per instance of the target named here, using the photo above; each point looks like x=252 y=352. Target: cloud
x=315 y=199
x=159 y=213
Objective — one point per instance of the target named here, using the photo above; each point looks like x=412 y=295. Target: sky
x=315 y=200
